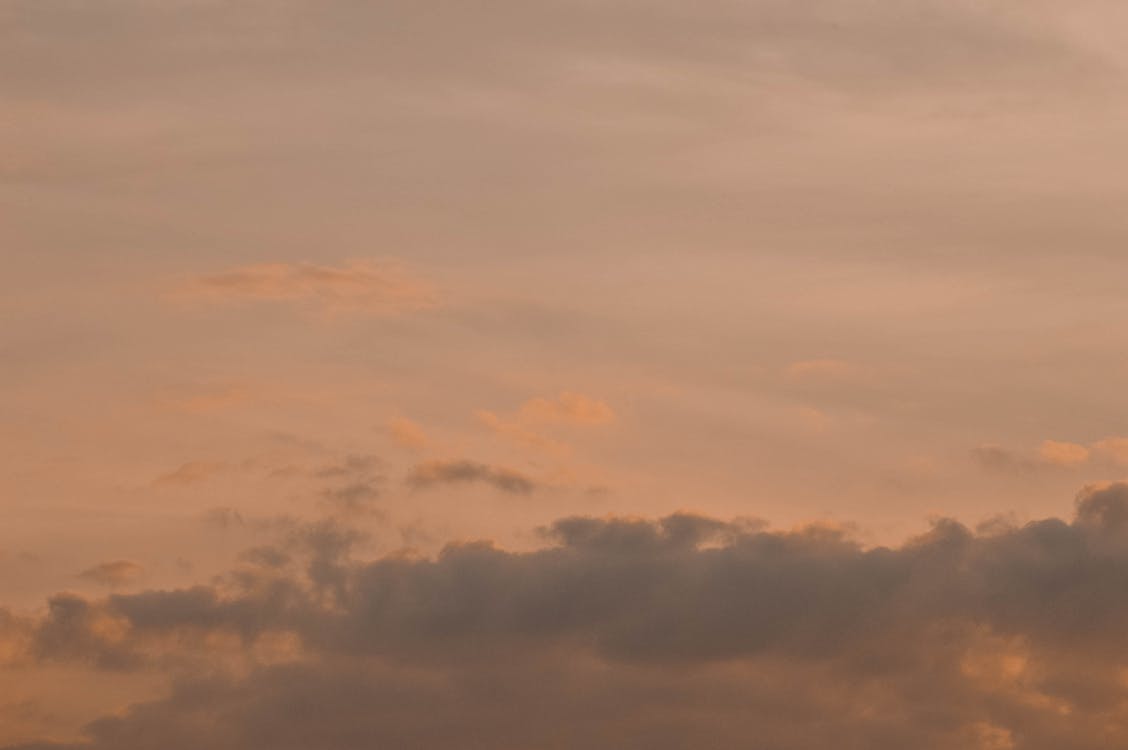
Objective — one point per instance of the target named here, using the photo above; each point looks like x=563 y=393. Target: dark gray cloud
x=682 y=632
x=432 y=473
x=71 y=631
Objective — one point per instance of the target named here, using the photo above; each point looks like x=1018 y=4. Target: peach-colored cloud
x=357 y=286
x=517 y=433
x=113 y=573
x=1063 y=454
x=407 y=433
x=568 y=408
x=1114 y=449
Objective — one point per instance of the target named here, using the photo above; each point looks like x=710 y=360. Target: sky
x=567 y=373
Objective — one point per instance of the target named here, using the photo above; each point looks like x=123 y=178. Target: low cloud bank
x=680 y=632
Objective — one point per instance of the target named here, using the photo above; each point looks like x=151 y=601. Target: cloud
x=15 y=636
x=993 y=457
x=192 y=472
x=351 y=466
x=77 y=630
x=567 y=408
x=357 y=483
x=1104 y=506
x=433 y=473
x=1065 y=455
x=356 y=497
x=355 y=287
x=1113 y=449
x=407 y=433
x=270 y=557
x=518 y=433
x=114 y=573
x=223 y=517
x=686 y=631
x=1056 y=454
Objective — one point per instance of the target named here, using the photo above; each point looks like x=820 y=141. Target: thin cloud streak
x=358 y=287
x=433 y=473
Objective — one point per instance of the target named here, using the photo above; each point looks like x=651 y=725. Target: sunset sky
x=555 y=374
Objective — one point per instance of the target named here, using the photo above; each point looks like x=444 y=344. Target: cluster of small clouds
x=686 y=631
x=358 y=483
x=352 y=484
x=1054 y=454
x=524 y=428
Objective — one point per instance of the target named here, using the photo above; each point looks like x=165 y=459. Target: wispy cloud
x=358 y=286
x=356 y=481
x=568 y=409
x=433 y=473
x=192 y=472
x=517 y=432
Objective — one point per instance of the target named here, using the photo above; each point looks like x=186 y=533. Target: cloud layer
x=682 y=632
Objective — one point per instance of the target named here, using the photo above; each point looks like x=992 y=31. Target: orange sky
x=408 y=274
